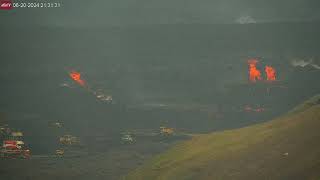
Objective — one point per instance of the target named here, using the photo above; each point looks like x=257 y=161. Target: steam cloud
x=245 y=20
x=304 y=63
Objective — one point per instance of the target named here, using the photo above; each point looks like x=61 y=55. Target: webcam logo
x=6 y=4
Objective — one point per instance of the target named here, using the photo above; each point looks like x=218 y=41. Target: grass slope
x=287 y=147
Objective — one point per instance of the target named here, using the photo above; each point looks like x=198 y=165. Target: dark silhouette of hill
x=284 y=148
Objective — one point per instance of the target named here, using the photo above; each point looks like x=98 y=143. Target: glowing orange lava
x=76 y=76
x=249 y=109
x=254 y=73
x=271 y=73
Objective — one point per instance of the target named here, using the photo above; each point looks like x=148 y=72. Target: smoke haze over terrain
x=174 y=55
x=109 y=71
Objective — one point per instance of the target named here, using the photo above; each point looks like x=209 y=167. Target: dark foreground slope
x=285 y=148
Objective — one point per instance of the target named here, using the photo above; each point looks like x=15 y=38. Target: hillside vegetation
x=285 y=148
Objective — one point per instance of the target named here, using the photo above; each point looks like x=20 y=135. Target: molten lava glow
x=254 y=73
x=271 y=73
x=249 y=109
x=76 y=76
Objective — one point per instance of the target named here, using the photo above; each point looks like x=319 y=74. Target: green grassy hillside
x=287 y=147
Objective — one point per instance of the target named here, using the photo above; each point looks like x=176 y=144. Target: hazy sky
x=127 y=12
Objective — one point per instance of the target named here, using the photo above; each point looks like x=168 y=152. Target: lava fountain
x=76 y=76
x=270 y=73
x=254 y=73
